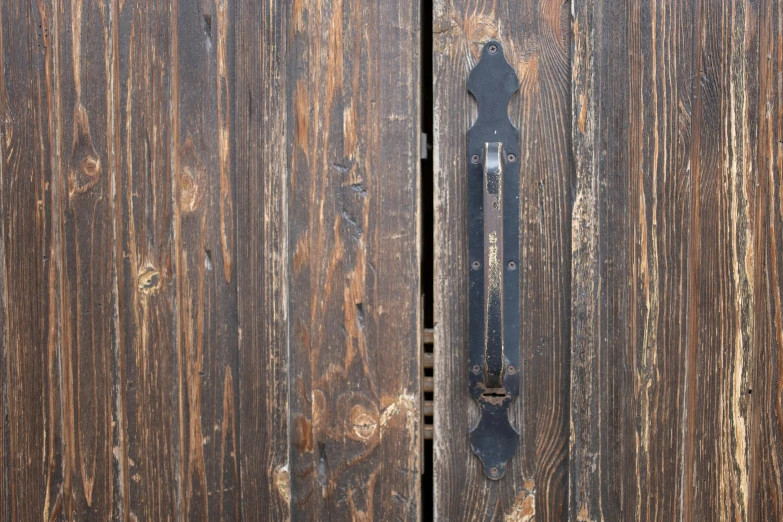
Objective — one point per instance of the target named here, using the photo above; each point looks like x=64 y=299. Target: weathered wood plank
x=767 y=442
x=353 y=123
x=262 y=256
x=670 y=280
x=31 y=465
x=150 y=403
x=83 y=216
x=719 y=352
x=204 y=244
x=584 y=442
x=632 y=113
x=536 y=38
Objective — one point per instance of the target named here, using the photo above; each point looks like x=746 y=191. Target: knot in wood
x=191 y=177
x=148 y=280
x=85 y=164
x=363 y=424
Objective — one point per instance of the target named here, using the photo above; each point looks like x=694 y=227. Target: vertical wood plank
x=31 y=467
x=354 y=160
x=262 y=257
x=204 y=242
x=5 y=459
x=720 y=354
x=767 y=445
x=584 y=475
x=632 y=139
x=118 y=376
x=83 y=211
x=536 y=39
x=670 y=330
x=151 y=402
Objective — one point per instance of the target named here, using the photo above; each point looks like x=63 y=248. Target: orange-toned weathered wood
x=209 y=226
x=145 y=177
x=150 y=439
x=353 y=130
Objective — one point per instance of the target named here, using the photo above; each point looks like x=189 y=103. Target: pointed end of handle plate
x=494 y=440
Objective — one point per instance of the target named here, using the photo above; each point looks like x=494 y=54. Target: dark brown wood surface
x=766 y=441
x=676 y=330
x=536 y=39
x=210 y=248
x=261 y=168
x=353 y=128
x=150 y=354
x=204 y=219
x=32 y=463
x=149 y=153
x=83 y=217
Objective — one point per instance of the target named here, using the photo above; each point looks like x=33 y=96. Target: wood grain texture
x=536 y=40
x=673 y=241
x=209 y=254
x=262 y=259
x=120 y=348
x=145 y=300
x=31 y=457
x=83 y=219
x=353 y=123
x=766 y=480
x=150 y=365
x=204 y=245
x=630 y=224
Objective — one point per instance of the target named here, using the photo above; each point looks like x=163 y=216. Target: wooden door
x=210 y=260
x=650 y=225
x=676 y=335
x=233 y=260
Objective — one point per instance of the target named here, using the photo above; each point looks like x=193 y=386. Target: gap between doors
x=427 y=250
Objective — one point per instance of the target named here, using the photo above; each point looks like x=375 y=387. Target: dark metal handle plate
x=493 y=248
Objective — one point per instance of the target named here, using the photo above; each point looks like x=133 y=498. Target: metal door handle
x=493 y=245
